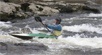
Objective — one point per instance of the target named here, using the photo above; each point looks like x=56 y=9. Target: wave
x=77 y=42
x=5 y=24
x=95 y=15
x=82 y=28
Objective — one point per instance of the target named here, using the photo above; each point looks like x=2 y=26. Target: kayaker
x=56 y=28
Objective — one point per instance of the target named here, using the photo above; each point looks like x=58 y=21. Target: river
x=82 y=35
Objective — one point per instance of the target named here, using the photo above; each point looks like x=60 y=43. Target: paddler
x=56 y=28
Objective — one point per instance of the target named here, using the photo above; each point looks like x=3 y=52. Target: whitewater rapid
x=72 y=42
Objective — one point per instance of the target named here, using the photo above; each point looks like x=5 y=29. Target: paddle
x=38 y=19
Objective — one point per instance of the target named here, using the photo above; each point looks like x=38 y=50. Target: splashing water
x=5 y=25
x=95 y=15
x=74 y=42
x=83 y=27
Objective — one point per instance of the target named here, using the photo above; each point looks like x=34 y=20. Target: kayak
x=32 y=35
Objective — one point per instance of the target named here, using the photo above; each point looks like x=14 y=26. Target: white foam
x=35 y=31
x=83 y=27
x=4 y=25
x=88 y=42
x=95 y=15
x=2 y=54
x=69 y=42
x=72 y=43
x=8 y=38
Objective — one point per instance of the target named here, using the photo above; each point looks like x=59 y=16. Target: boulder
x=33 y=7
x=75 y=7
x=43 y=10
x=7 y=10
x=26 y=8
x=65 y=9
x=48 y=11
x=91 y=9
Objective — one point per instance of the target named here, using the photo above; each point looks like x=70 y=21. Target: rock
x=43 y=10
x=25 y=6
x=65 y=9
x=33 y=8
x=48 y=0
x=7 y=9
x=70 y=7
x=48 y=11
x=91 y=9
x=6 y=0
x=90 y=3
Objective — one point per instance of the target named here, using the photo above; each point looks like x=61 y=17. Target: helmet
x=58 y=20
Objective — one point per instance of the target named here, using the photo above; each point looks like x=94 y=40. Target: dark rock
x=4 y=17
x=25 y=6
x=6 y=1
x=39 y=8
x=94 y=10
x=65 y=9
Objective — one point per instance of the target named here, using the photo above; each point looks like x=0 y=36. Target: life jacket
x=57 y=33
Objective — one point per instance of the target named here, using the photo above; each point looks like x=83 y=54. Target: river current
x=82 y=35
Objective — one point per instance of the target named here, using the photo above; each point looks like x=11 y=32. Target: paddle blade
x=38 y=19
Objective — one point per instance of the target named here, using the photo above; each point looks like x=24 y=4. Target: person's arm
x=55 y=27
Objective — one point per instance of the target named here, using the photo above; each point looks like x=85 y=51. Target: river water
x=82 y=35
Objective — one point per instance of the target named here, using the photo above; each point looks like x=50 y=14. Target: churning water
x=82 y=35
